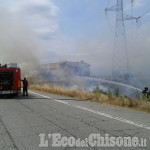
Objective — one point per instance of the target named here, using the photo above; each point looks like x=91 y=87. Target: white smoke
x=17 y=43
x=20 y=24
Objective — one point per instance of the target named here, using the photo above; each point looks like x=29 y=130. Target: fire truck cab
x=10 y=79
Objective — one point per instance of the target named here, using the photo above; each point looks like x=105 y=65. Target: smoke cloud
x=17 y=43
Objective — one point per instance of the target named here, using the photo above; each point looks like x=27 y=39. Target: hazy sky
x=77 y=30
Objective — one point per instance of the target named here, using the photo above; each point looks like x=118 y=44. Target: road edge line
x=96 y=112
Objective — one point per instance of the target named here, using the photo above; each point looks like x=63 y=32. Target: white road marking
x=97 y=112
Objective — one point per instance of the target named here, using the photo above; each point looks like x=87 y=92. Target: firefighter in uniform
x=146 y=94
x=25 y=87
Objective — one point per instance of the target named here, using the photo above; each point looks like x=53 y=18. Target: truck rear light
x=19 y=83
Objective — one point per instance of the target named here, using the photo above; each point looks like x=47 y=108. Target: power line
x=120 y=64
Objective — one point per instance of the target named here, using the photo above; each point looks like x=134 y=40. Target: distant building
x=67 y=68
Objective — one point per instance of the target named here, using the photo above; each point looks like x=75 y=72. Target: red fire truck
x=10 y=79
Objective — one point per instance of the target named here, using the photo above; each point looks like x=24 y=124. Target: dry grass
x=95 y=97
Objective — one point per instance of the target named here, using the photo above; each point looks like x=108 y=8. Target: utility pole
x=120 y=64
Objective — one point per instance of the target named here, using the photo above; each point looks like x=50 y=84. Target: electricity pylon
x=120 y=64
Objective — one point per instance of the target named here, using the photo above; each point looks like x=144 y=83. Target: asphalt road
x=22 y=119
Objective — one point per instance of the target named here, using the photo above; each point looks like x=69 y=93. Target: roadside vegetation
x=97 y=96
